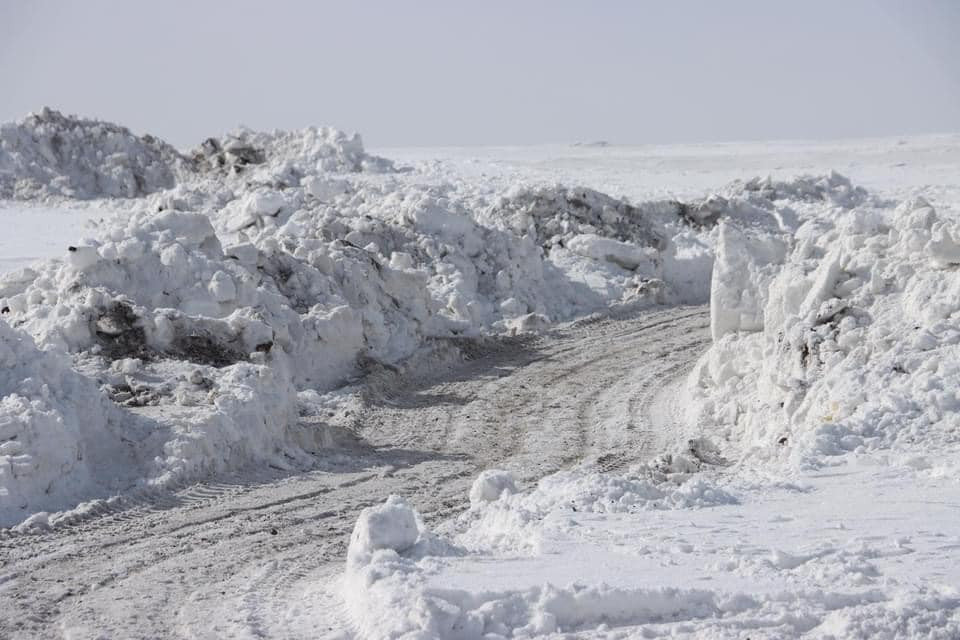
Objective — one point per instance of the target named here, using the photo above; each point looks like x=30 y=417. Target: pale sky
x=518 y=72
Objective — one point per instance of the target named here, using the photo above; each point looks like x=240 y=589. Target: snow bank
x=840 y=340
x=268 y=264
x=49 y=154
x=58 y=431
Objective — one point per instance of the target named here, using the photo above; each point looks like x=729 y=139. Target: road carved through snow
x=253 y=555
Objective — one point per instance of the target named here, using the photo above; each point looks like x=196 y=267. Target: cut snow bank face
x=841 y=339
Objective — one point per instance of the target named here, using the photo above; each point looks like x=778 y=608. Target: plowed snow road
x=251 y=556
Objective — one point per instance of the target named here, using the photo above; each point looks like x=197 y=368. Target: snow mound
x=393 y=525
x=831 y=189
x=285 y=157
x=57 y=430
x=555 y=214
x=49 y=154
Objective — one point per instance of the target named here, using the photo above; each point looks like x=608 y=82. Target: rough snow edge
x=392 y=555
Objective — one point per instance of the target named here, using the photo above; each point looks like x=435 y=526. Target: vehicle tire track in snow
x=254 y=554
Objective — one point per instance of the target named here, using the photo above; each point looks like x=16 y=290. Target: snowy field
x=279 y=386
x=892 y=166
x=32 y=233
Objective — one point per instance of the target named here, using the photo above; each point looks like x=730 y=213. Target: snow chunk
x=745 y=265
x=392 y=525
x=622 y=254
x=490 y=485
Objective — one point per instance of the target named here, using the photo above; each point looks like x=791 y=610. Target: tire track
x=249 y=555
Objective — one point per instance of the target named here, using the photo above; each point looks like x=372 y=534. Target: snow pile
x=162 y=315
x=848 y=339
x=161 y=285
x=283 y=158
x=832 y=189
x=490 y=485
x=383 y=578
x=292 y=261
x=57 y=430
x=49 y=154
x=286 y=262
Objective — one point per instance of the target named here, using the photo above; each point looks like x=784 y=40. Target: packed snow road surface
x=248 y=555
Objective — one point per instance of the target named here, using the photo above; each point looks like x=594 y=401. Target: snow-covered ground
x=305 y=328
x=33 y=233
x=826 y=500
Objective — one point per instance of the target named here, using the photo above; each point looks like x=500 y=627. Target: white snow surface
x=824 y=502
x=781 y=560
x=814 y=491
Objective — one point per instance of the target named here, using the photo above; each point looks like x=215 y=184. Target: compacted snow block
x=392 y=525
x=746 y=262
x=490 y=485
